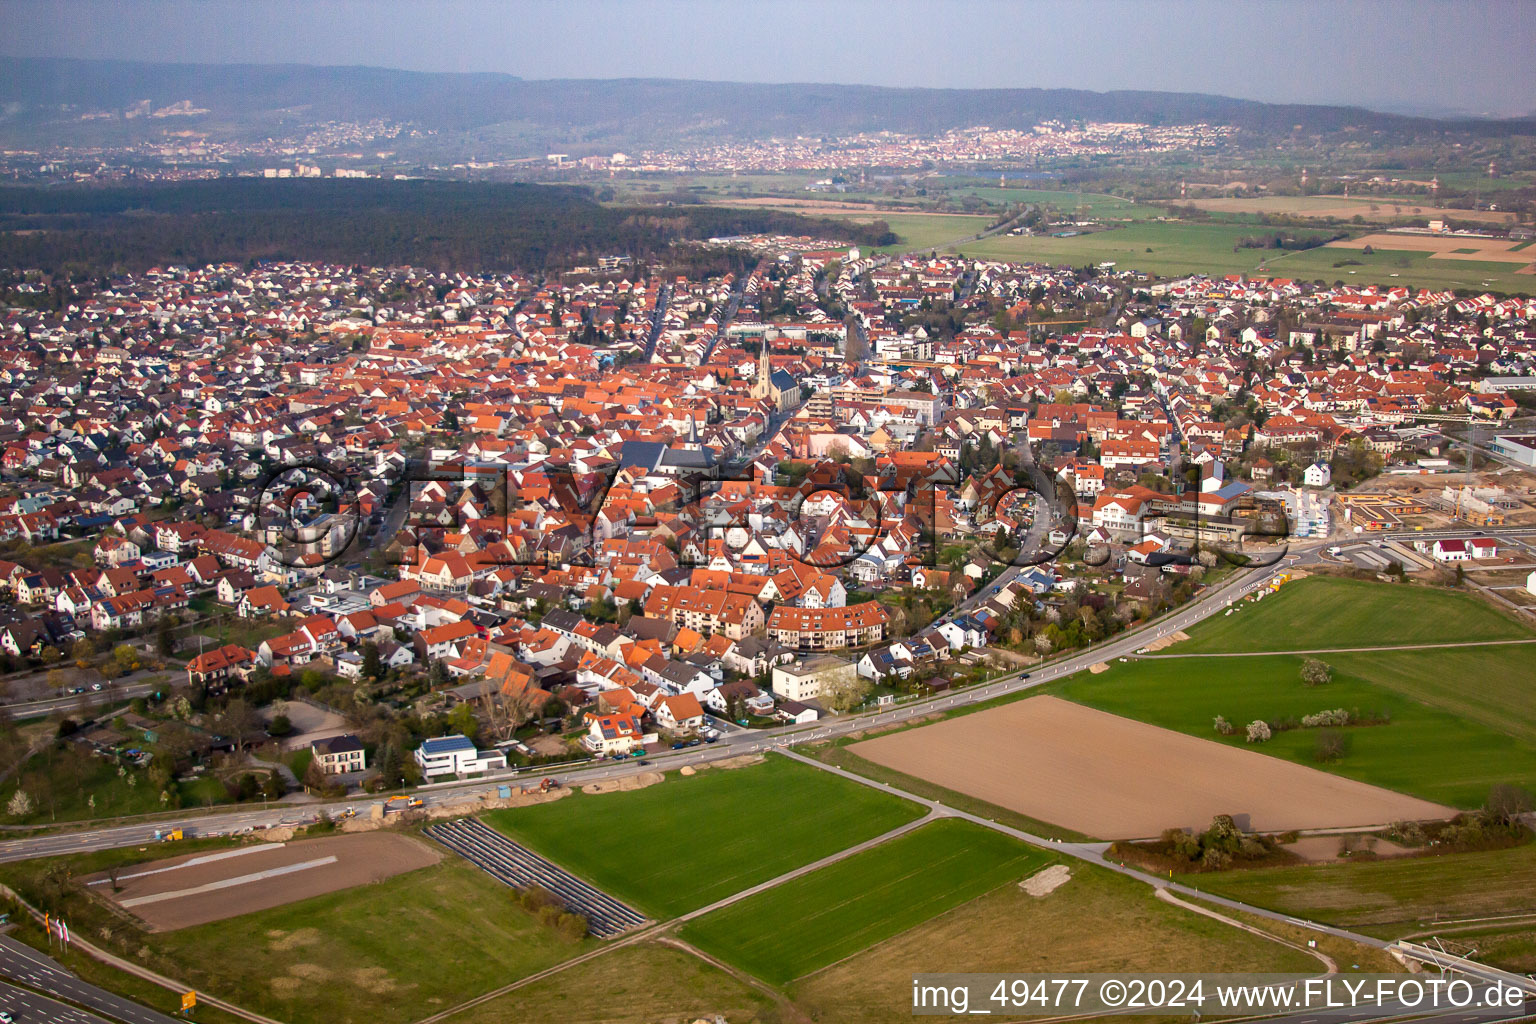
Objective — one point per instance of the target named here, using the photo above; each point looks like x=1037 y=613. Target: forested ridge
x=441 y=225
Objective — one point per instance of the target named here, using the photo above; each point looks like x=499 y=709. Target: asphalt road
x=21 y=963
x=30 y=1008
x=734 y=744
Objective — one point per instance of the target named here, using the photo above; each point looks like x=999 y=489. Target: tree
x=52 y=655
x=462 y=720
x=1316 y=673
x=83 y=652
x=165 y=640
x=127 y=659
x=373 y=665
x=1507 y=802
x=280 y=725
x=20 y=805
x=238 y=721
x=1259 y=731
x=845 y=692
x=1330 y=745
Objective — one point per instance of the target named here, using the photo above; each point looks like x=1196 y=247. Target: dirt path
x=1341 y=650
x=1167 y=897
x=791 y=1011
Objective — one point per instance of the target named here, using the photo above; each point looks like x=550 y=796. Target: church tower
x=763 y=386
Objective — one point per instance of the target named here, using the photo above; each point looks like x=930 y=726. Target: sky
x=1416 y=56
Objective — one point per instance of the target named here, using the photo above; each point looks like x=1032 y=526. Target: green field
x=1438 y=753
x=1394 y=267
x=687 y=842
x=820 y=918
x=1098 y=921
x=372 y=954
x=1180 y=248
x=369 y=954
x=1320 y=612
x=1088 y=204
x=1392 y=897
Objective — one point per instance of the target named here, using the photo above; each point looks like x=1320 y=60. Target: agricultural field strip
x=521 y=868
x=1339 y=650
x=229 y=883
x=1093 y=854
x=193 y=862
x=825 y=917
x=773 y=883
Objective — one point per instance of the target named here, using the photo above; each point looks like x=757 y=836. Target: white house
x=957 y=635
x=1317 y=475
x=808 y=679
x=613 y=734
x=1451 y=551
x=456 y=755
x=1530 y=583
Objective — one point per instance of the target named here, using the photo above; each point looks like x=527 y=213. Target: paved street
x=30 y=1008
x=21 y=963
x=745 y=742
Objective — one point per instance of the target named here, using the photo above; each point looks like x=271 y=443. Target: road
x=24 y=965
x=735 y=744
x=730 y=313
x=31 y=1008
x=743 y=742
x=658 y=317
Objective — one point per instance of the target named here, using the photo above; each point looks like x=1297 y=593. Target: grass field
x=1394 y=267
x=682 y=844
x=1394 y=897
x=1321 y=612
x=370 y=954
x=1088 y=204
x=1428 y=751
x=1179 y=248
x=1097 y=922
x=818 y=919
x=636 y=985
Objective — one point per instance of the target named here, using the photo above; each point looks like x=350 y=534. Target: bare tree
x=239 y=721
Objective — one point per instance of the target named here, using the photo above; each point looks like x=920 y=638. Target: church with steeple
x=776 y=386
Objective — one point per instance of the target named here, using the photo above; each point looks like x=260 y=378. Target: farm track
x=1340 y=650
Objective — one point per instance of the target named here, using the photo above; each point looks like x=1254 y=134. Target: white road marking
x=227 y=883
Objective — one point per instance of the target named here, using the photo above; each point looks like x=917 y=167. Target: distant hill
x=492 y=108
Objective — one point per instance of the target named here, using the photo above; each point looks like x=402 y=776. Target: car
x=711 y=739
x=6 y=1018
x=679 y=745
x=1024 y=676
x=642 y=762
x=96 y=687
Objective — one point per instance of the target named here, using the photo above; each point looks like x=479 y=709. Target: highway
x=26 y=1007
x=24 y=965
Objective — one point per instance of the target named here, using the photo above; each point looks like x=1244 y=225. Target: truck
x=415 y=801
x=168 y=835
